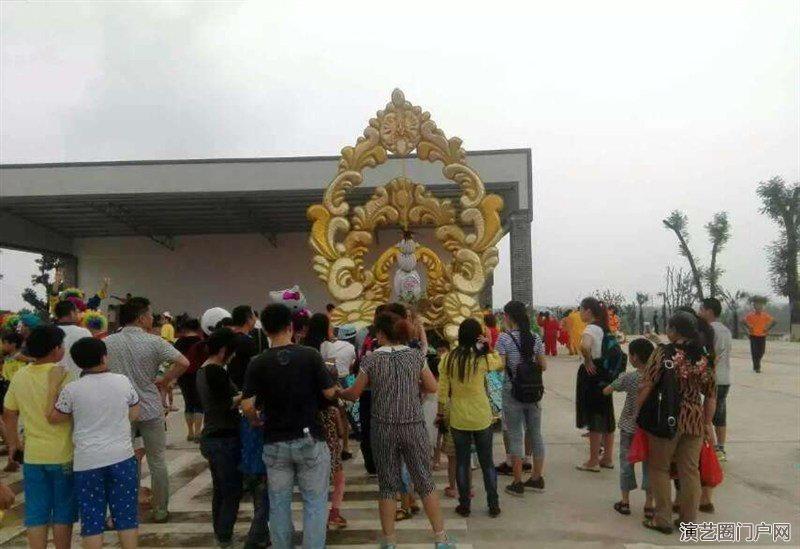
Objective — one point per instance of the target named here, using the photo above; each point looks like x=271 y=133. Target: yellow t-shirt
x=10 y=367
x=467 y=400
x=27 y=394
x=168 y=332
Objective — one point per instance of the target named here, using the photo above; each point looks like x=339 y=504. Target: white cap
x=211 y=318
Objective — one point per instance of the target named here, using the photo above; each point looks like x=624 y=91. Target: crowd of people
x=274 y=399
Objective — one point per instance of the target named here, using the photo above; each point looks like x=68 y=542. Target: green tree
x=719 y=233
x=641 y=299
x=678 y=223
x=733 y=301
x=781 y=203
x=47 y=264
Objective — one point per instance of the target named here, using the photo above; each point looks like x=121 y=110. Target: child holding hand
x=639 y=352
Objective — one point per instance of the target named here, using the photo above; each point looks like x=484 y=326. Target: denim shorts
x=114 y=486
x=49 y=494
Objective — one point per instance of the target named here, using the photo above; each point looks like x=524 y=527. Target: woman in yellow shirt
x=462 y=390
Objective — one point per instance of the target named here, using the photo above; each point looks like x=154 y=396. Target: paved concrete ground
x=762 y=473
x=762 y=478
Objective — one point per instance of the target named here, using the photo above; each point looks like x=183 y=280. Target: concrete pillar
x=485 y=298
x=70 y=269
x=521 y=258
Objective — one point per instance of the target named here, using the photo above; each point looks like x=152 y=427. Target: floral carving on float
x=467 y=229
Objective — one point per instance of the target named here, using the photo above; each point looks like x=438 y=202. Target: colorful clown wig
x=94 y=321
x=9 y=322
x=78 y=302
x=67 y=293
x=30 y=320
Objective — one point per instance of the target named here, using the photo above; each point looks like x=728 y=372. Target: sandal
x=415 y=509
x=607 y=465
x=651 y=525
x=706 y=508
x=402 y=514
x=584 y=467
x=649 y=512
x=622 y=508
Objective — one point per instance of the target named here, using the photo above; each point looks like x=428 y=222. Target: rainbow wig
x=9 y=322
x=94 y=321
x=70 y=292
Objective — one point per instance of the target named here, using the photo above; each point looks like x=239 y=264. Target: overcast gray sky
x=632 y=109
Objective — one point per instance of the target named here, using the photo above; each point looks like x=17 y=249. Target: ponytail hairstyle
x=516 y=311
x=705 y=332
x=397 y=329
x=464 y=358
x=598 y=310
x=318 y=329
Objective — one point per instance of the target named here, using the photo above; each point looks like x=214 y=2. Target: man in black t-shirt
x=243 y=319
x=286 y=383
x=245 y=347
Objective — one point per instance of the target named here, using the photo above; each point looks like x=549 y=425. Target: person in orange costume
x=575 y=326
x=613 y=320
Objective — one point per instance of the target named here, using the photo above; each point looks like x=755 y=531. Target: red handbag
x=639 y=446
x=710 y=469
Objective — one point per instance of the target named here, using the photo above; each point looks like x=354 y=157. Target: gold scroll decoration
x=468 y=230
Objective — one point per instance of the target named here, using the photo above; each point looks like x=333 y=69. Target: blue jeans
x=483 y=445
x=306 y=462
x=521 y=419
x=223 y=456
x=627 y=472
x=256 y=486
x=255 y=480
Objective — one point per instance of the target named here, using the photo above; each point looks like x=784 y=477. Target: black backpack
x=526 y=385
x=660 y=412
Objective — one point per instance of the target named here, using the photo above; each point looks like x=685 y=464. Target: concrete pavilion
x=190 y=234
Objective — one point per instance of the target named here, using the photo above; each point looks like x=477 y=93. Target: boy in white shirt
x=101 y=405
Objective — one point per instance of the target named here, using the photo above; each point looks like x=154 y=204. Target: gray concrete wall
x=213 y=270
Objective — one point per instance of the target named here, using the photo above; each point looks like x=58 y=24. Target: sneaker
x=463 y=510
x=527 y=467
x=516 y=489
x=504 y=469
x=721 y=455
x=535 y=485
x=449 y=544
x=494 y=511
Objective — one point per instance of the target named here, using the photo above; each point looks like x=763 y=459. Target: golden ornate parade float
x=468 y=230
